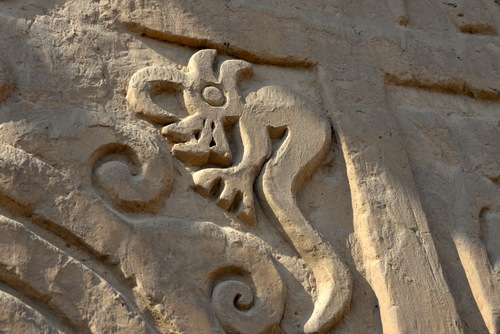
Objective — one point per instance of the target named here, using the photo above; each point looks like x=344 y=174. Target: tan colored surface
x=249 y=166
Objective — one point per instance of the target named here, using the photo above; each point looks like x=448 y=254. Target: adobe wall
x=230 y=166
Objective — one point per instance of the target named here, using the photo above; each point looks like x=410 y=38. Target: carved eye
x=213 y=96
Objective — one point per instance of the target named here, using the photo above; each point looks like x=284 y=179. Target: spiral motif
x=241 y=309
x=235 y=292
x=248 y=293
x=133 y=179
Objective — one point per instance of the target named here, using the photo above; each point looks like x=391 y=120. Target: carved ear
x=231 y=71
x=201 y=64
x=148 y=80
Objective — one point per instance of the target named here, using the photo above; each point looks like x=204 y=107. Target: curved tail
x=284 y=173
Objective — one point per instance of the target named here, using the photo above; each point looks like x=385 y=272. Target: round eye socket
x=213 y=96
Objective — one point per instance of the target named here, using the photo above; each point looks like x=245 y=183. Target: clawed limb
x=232 y=189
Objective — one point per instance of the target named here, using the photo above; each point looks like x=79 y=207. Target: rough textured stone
x=181 y=166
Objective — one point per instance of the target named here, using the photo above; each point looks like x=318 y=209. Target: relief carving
x=225 y=169
x=430 y=118
x=128 y=272
x=79 y=291
x=135 y=180
x=138 y=195
x=478 y=248
x=240 y=289
x=68 y=303
x=479 y=255
x=235 y=289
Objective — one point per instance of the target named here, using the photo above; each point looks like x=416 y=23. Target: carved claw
x=232 y=190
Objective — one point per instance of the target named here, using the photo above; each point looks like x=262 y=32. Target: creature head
x=212 y=100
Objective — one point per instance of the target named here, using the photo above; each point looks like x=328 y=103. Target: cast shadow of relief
x=145 y=269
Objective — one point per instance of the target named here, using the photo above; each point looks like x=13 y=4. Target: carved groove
x=15 y=287
x=247 y=55
x=453 y=86
x=76 y=248
x=59 y=234
x=20 y=314
x=64 y=297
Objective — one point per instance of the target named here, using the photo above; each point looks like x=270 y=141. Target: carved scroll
x=46 y=225
x=86 y=294
x=235 y=289
x=64 y=279
x=214 y=105
x=131 y=177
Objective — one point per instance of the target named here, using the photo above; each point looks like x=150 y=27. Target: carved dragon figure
x=213 y=102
